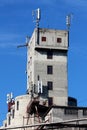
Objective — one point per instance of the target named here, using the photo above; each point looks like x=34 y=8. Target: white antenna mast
x=36 y=16
x=68 y=23
x=68 y=20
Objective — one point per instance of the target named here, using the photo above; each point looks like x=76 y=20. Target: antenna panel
x=38 y=14
x=40 y=87
x=68 y=20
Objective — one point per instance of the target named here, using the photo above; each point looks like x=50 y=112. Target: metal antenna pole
x=37 y=14
x=68 y=23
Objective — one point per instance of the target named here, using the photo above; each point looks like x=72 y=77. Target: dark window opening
x=17 y=105
x=85 y=112
x=9 y=120
x=59 y=40
x=50 y=69
x=44 y=39
x=50 y=85
x=71 y=111
x=50 y=101
x=38 y=77
x=13 y=113
x=49 y=54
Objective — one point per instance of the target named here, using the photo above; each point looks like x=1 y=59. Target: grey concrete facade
x=50 y=52
x=66 y=113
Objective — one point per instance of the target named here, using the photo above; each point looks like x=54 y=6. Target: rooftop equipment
x=37 y=16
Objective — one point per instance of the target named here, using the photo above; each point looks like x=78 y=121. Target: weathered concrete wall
x=20 y=109
x=38 y=62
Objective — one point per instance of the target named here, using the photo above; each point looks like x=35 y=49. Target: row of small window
x=12 y=113
x=50 y=102
x=58 y=40
x=9 y=117
x=74 y=112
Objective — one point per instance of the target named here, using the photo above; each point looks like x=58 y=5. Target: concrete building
x=47 y=65
x=46 y=102
x=16 y=111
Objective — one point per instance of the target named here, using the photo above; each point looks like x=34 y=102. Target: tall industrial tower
x=47 y=65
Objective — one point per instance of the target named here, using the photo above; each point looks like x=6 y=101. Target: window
x=43 y=39
x=9 y=120
x=85 y=112
x=38 y=77
x=50 y=85
x=13 y=113
x=50 y=69
x=69 y=111
x=59 y=40
x=50 y=101
x=17 y=105
x=49 y=54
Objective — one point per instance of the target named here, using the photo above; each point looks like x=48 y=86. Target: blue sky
x=16 y=23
